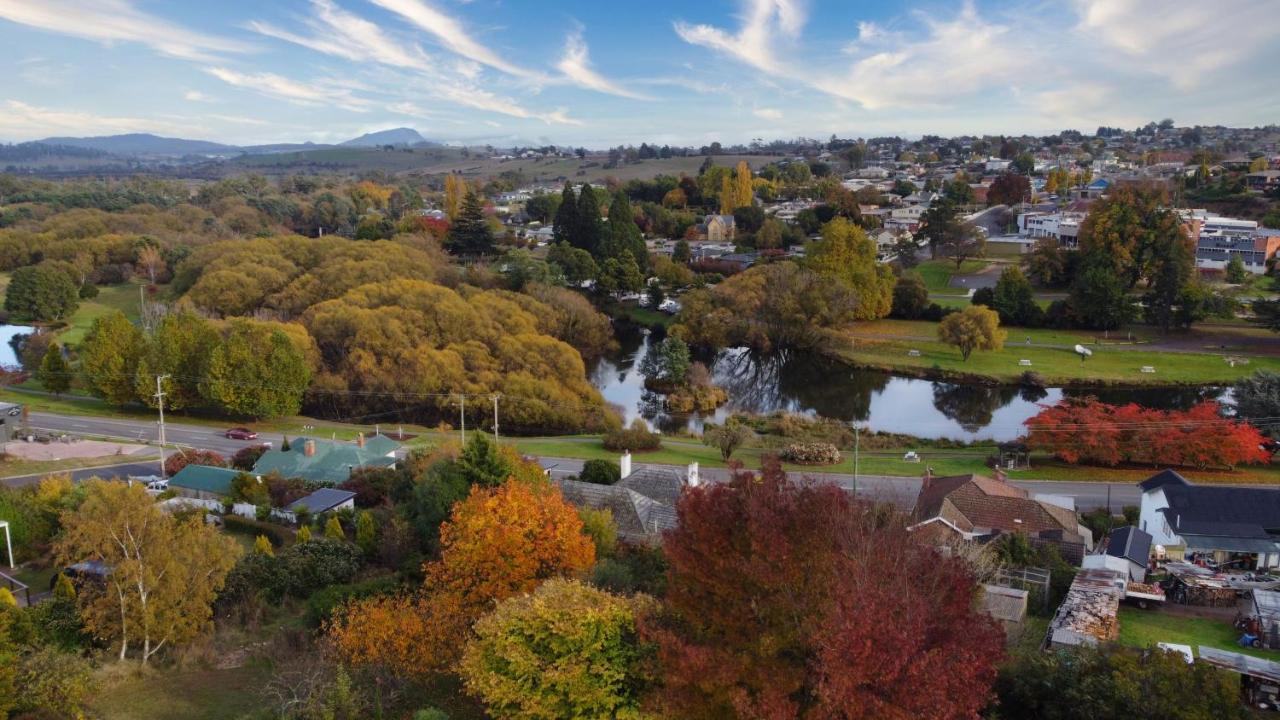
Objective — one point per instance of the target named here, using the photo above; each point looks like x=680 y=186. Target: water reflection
x=11 y=337
x=811 y=385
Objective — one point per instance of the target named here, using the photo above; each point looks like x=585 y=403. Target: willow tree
x=847 y=255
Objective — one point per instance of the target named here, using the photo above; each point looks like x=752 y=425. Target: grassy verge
x=937 y=274
x=123 y=297
x=885 y=345
x=11 y=466
x=1145 y=628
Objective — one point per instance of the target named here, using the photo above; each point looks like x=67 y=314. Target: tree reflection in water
x=972 y=406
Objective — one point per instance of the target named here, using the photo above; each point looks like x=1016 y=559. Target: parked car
x=241 y=434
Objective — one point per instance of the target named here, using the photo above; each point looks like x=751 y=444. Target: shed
x=203 y=482
x=1133 y=546
x=324 y=500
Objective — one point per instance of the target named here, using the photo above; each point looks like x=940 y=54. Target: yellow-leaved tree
x=847 y=255
x=975 y=328
x=498 y=543
x=162 y=573
x=743 y=192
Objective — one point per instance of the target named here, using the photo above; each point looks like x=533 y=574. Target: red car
x=241 y=434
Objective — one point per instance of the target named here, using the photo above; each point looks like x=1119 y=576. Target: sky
x=615 y=72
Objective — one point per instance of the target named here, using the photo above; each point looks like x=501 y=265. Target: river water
x=808 y=384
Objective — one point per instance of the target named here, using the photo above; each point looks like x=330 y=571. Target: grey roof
x=1164 y=477
x=643 y=503
x=1222 y=511
x=1230 y=544
x=322 y=500
x=658 y=484
x=1130 y=543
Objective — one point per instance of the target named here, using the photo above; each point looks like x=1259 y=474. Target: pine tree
x=333 y=529
x=304 y=534
x=588 y=234
x=624 y=234
x=470 y=233
x=54 y=373
x=566 y=221
x=366 y=532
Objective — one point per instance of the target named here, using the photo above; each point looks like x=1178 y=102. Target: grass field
x=937 y=274
x=195 y=693
x=1145 y=628
x=885 y=345
x=123 y=297
x=11 y=466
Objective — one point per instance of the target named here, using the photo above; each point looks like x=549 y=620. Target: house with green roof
x=203 y=482
x=328 y=462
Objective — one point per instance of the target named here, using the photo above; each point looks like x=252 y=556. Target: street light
x=8 y=542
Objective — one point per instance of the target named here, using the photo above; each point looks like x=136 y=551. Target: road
x=899 y=490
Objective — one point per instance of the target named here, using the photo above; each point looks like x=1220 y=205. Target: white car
x=670 y=305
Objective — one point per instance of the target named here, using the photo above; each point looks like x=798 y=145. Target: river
x=809 y=384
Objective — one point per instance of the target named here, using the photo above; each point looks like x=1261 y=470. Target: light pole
x=857 y=443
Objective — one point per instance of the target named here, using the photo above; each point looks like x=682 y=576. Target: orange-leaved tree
x=498 y=543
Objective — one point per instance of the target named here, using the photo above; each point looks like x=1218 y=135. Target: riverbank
x=911 y=348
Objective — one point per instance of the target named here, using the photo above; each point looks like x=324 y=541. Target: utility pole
x=462 y=414
x=857 y=443
x=495 y=419
x=160 y=404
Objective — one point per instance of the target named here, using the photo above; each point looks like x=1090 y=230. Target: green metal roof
x=332 y=462
x=207 y=478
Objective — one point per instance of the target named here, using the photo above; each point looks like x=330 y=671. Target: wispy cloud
x=337 y=32
x=117 y=21
x=283 y=88
x=22 y=121
x=196 y=96
x=754 y=42
x=767 y=113
x=576 y=66
x=451 y=34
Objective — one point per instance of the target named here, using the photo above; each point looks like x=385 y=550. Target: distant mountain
x=396 y=136
x=144 y=144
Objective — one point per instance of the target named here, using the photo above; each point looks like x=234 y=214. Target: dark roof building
x=324 y=500
x=643 y=502
x=1234 y=524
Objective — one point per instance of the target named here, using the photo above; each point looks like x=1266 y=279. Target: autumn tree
x=498 y=543
x=1126 y=229
x=973 y=328
x=150 y=259
x=1009 y=188
x=454 y=189
x=192 y=456
x=845 y=254
x=567 y=650
x=55 y=372
x=164 y=573
x=793 y=600
x=109 y=357
x=743 y=194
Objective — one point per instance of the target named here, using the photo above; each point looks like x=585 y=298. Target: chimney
x=359 y=439
x=625 y=465
x=927 y=480
x=309 y=448
x=692 y=476
x=999 y=474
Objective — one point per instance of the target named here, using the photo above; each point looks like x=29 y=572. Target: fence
x=1029 y=579
x=16 y=586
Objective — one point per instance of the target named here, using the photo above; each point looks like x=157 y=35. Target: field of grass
x=196 y=693
x=123 y=297
x=885 y=345
x=1145 y=628
x=937 y=274
x=12 y=466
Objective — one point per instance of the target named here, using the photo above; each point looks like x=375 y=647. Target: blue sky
x=602 y=73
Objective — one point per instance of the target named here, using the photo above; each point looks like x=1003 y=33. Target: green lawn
x=1145 y=628
x=123 y=297
x=937 y=273
x=885 y=345
x=11 y=466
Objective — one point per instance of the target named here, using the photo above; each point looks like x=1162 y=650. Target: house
x=1237 y=526
x=328 y=462
x=717 y=228
x=1265 y=181
x=643 y=502
x=1214 y=251
x=1130 y=549
x=1062 y=226
x=324 y=500
x=973 y=506
x=203 y=482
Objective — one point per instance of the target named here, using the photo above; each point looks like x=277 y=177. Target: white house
x=1239 y=526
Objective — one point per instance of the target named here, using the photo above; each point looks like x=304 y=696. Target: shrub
x=600 y=472
x=636 y=438
x=799 y=428
x=372 y=485
x=306 y=567
x=322 y=602
x=175 y=462
x=811 y=453
x=246 y=457
x=252 y=527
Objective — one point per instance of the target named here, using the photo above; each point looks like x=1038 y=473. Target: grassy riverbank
x=888 y=345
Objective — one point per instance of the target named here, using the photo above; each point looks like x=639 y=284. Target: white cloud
x=451 y=34
x=754 y=41
x=21 y=121
x=576 y=65
x=196 y=96
x=283 y=88
x=342 y=34
x=117 y=21
x=767 y=113
x=1184 y=41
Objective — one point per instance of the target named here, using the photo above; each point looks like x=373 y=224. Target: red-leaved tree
x=185 y=457
x=792 y=600
x=1084 y=430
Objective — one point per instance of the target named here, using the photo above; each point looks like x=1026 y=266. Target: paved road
x=199 y=436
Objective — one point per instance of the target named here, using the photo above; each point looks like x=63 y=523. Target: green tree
x=109 y=358
x=366 y=532
x=566 y=651
x=180 y=348
x=470 y=234
x=668 y=361
x=681 y=252
x=624 y=234
x=618 y=276
x=600 y=472
x=577 y=265
x=481 y=463
x=588 y=234
x=910 y=297
x=727 y=438
x=1099 y=298
x=566 y=221
x=256 y=371
x=1236 y=272
x=847 y=255
x=1258 y=396
x=1014 y=299
x=55 y=372
x=973 y=328
x=1171 y=271
x=40 y=293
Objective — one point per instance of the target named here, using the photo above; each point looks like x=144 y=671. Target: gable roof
x=332 y=462
x=971 y=502
x=204 y=478
x=1223 y=511
x=322 y=500
x=1162 y=478
x=1130 y=543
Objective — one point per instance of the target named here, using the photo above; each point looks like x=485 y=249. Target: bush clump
x=811 y=453
x=636 y=438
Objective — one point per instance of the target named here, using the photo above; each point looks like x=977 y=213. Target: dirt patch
x=65 y=451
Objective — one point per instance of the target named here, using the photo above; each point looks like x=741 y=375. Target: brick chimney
x=309 y=448
x=360 y=440
x=691 y=477
x=624 y=464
